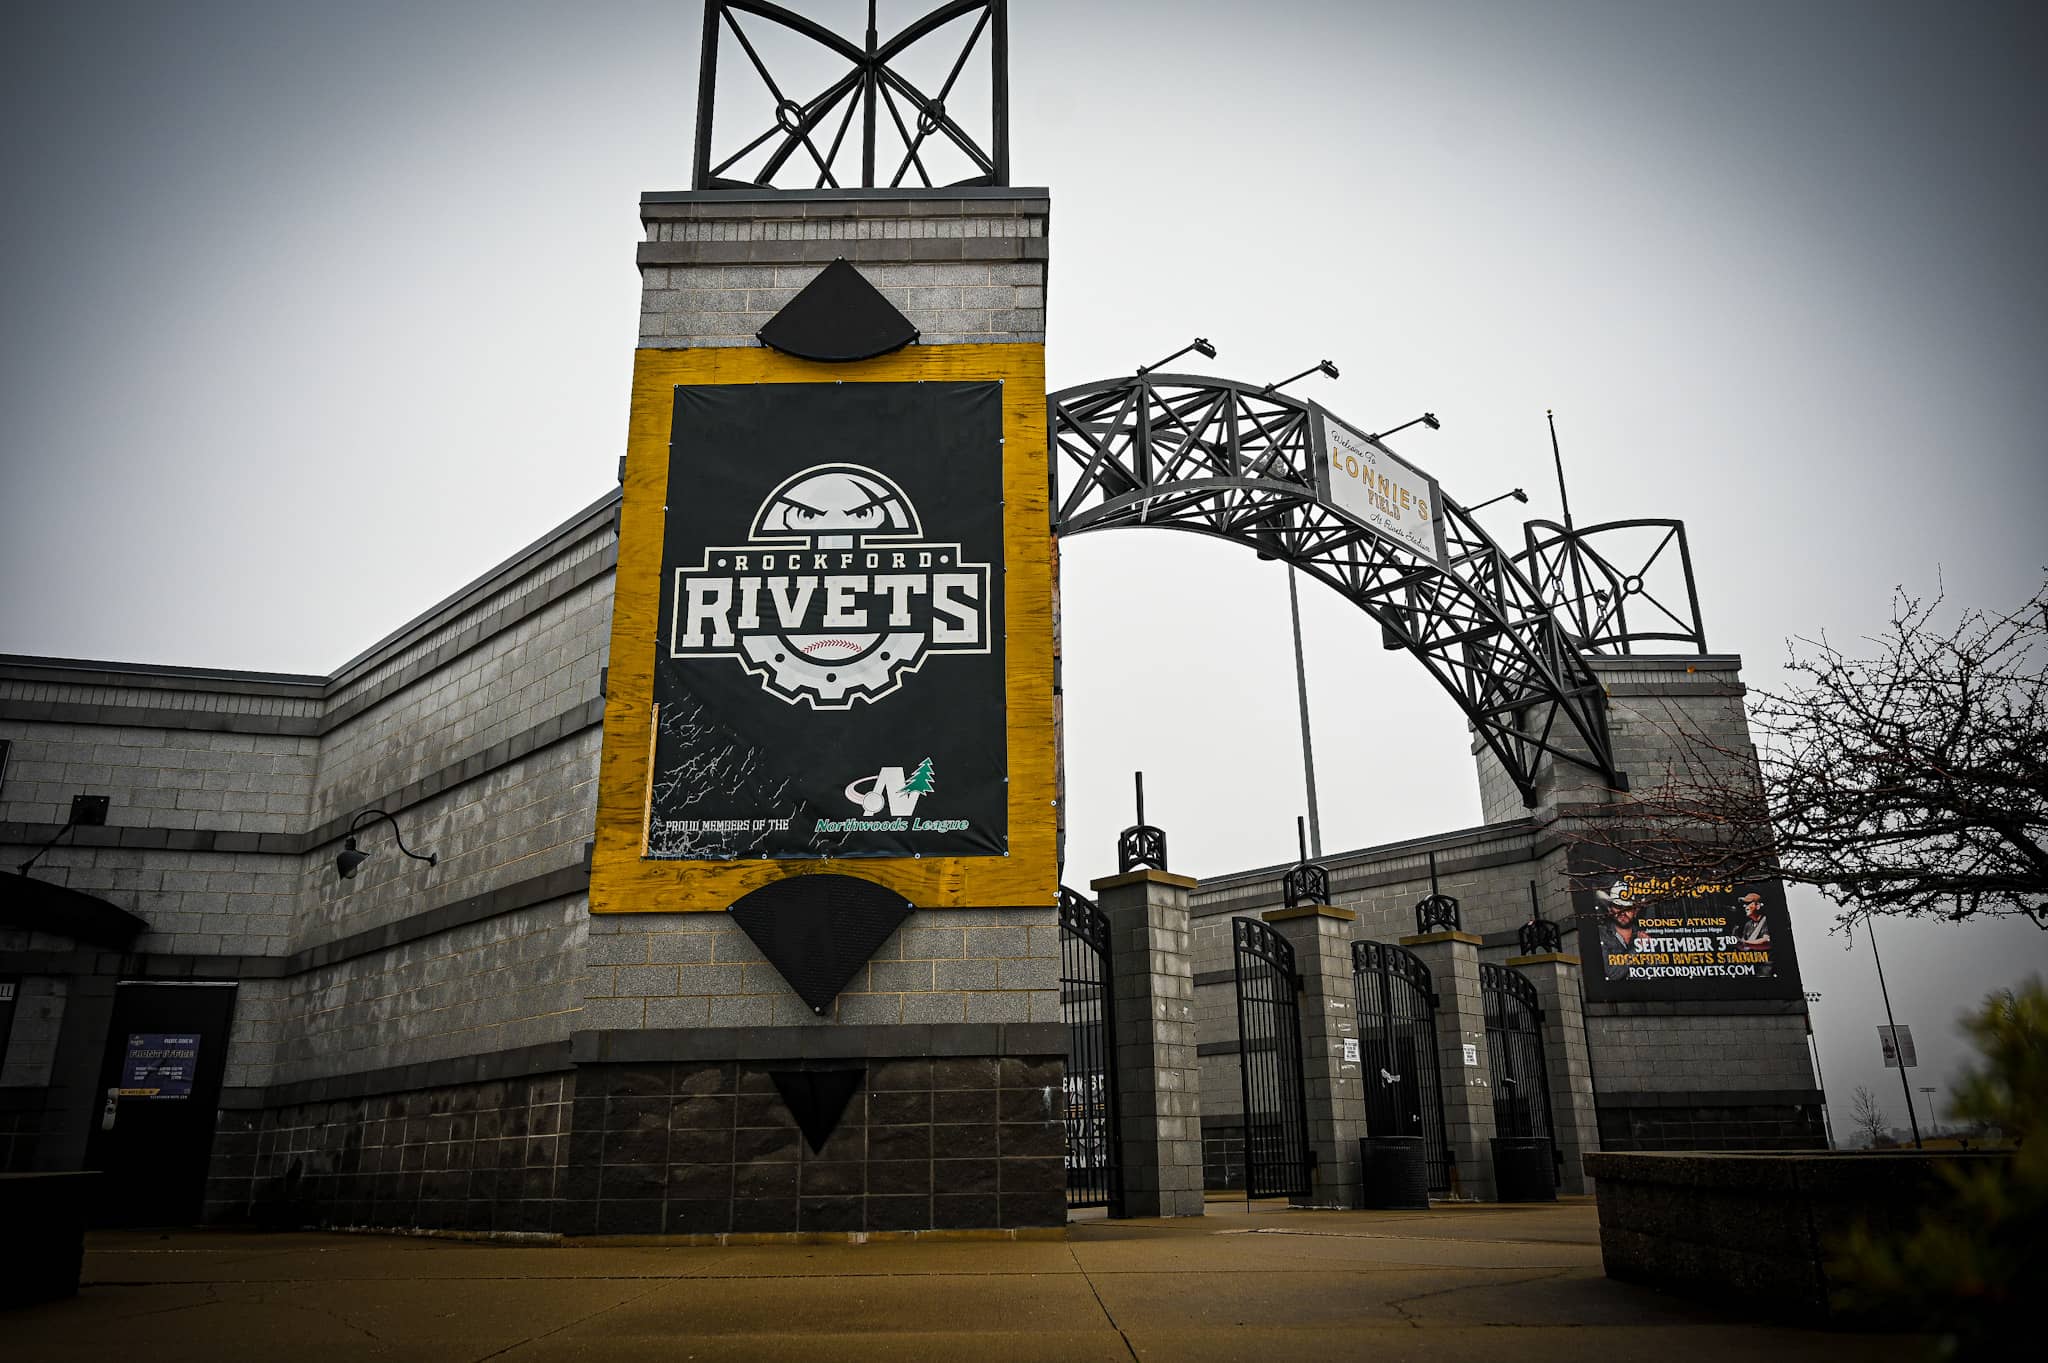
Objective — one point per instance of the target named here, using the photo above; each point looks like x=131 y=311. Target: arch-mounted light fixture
x=1319 y=367
x=1513 y=492
x=351 y=858
x=1200 y=345
x=1426 y=419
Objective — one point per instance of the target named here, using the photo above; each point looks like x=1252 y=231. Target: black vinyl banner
x=829 y=680
x=1651 y=934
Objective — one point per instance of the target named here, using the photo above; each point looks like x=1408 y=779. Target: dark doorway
x=167 y=1046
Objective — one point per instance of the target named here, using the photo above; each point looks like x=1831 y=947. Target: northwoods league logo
x=835 y=596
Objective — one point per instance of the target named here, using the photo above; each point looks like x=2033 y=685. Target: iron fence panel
x=1088 y=1005
x=1403 y=1072
x=1276 y=1150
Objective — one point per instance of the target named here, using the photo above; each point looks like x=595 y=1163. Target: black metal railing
x=1514 y=1048
x=1276 y=1151
x=1403 y=1072
x=1088 y=1006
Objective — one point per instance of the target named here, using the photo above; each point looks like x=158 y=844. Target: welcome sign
x=1361 y=477
x=832 y=633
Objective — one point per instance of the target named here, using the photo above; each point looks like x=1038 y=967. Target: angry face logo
x=836 y=596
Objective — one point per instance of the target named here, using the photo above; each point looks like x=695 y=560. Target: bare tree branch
x=1909 y=782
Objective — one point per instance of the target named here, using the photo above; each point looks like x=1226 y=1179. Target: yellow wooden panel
x=621 y=880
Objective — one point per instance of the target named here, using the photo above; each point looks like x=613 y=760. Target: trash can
x=42 y=1235
x=1395 y=1173
x=1523 y=1169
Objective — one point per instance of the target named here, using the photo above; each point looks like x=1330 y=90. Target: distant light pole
x=1813 y=1043
x=1892 y=1022
x=1308 y=751
x=1932 y=1116
x=1308 y=748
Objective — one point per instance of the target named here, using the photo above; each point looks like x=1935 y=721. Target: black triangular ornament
x=836 y=317
x=819 y=929
x=817 y=1099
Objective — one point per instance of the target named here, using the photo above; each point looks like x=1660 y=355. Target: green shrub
x=1975 y=1271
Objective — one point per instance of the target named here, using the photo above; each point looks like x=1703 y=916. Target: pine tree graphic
x=921 y=781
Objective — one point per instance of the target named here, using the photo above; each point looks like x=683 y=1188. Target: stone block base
x=696 y=1147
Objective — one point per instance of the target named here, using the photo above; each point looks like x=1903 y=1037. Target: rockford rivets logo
x=836 y=596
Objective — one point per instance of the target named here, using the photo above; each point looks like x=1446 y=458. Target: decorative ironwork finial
x=1141 y=845
x=1539 y=935
x=1306 y=883
x=1436 y=911
x=812 y=133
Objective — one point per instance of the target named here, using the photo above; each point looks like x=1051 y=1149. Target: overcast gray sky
x=313 y=312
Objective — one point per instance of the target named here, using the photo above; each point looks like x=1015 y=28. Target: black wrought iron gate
x=1088 y=1004
x=1514 y=1047
x=1276 y=1151
x=1404 y=1093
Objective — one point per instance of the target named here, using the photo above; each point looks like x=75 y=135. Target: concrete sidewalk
x=1515 y=1283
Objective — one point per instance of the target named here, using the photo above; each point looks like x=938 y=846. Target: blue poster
x=159 y=1065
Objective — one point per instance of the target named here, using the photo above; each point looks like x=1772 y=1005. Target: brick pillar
x=1333 y=1085
x=1453 y=961
x=1566 y=1059
x=1158 y=1083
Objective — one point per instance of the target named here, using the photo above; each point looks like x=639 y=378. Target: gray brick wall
x=517 y=652
x=962 y=269
x=157 y=778
x=1685 y=1054
x=544 y=665
x=530 y=816
x=942 y=965
x=505 y=982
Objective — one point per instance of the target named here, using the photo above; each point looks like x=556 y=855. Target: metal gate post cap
x=1544 y=958
x=1430 y=938
x=1144 y=875
x=1311 y=911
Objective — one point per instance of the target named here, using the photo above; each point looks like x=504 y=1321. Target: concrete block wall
x=1657 y=1053
x=476 y=725
x=962 y=265
x=503 y=983
x=156 y=777
x=941 y=966
x=1667 y=717
x=531 y=670
x=526 y=817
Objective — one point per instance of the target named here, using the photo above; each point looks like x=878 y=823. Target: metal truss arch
x=1236 y=461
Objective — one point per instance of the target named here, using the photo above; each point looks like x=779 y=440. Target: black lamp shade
x=348 y=859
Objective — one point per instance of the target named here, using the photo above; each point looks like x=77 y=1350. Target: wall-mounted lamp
x=1200 y=345
x=1515 y=493
x=1319 y=367
x=87 y=811
x=1426 y=419
x=350 y=859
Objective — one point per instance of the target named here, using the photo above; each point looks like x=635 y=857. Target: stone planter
x=1751 y=1234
